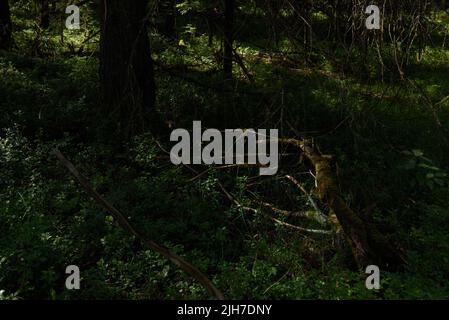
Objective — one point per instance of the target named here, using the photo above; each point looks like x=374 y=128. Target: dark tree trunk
x=274 y=7
x=303 y=14
x=213 y=16
x=228 y=38
x=308 y=7
x=127 y=75
x=5 y=25
x=167 y=9
x=44 y=18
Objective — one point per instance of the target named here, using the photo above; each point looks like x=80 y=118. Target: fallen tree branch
x=240 y=62
x=301 y=228
x=320 y=217
x=368 y=244
x=295 y=214
x=125 y=224
x=239 y=205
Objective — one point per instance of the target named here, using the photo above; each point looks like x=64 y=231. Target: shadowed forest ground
x=390 y=152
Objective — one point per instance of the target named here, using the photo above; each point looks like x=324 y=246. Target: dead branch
x=255 y=211
x=125 y=224
x=296 y=214
x=320 y=217
x=368 y=244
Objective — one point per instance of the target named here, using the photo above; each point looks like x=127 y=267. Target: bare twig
x=320 y=217
x=255 y=211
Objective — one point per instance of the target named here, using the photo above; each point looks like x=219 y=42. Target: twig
x=255 y=211
x=249 y=209
x=280 y=279
x=301 y=228
x=240 y=62
x=320 y=217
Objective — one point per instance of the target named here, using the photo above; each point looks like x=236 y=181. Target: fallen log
x=369 y=246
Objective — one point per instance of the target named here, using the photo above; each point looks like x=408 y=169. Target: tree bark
x=167 y=9
x=126 y=68
x=228 y=38
x=44 y=18
x=5 y=25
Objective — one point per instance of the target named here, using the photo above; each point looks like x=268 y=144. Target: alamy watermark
x=73 y=281
x=73 y=20
x=373 y=280
x=226 y=148
x=373 y=21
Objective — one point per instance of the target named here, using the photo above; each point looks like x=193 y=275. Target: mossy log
x=368 y=244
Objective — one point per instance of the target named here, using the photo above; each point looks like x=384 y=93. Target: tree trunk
x=308 y=7
x=5 y=25
x=44 y=19
x=213 y=17
x=167 y=9
x=228 y=38
x=126 y=68
x=274 y=8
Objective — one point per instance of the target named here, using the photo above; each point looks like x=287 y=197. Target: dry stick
x=286 y=213
x=277 y=282
x=239 y=205
x=249 y=209
x=296 y=214
x=124 y=223
x=285 y=224
x=241 y=63
x=320 y=216
x=442 y=101
x=318 y=231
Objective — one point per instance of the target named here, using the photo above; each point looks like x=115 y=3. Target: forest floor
x=390 y=150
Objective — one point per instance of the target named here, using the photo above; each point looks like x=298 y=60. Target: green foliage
x=392 y=165
x=422 y=170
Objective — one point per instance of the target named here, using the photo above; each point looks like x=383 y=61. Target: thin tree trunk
x=44 y=19
x=167 y=8
x=5 y=25
x=274 y=9
x=228 y=38
x=127 y=75
x=308 y=6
